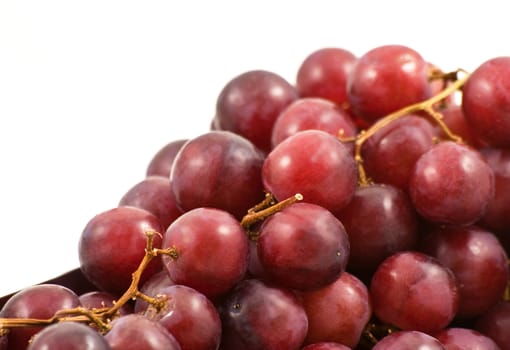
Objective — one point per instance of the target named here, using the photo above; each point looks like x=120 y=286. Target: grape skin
x=478 y=261
x=69 y=336
x=315 y=164
x=303 y=247
x=337 y=312
x=324 y=73
x=451 y=184
x=218 y=169
x=134 y=332
x=113 y=244
x=198 y=235
x=38 y=301
x=413 y=291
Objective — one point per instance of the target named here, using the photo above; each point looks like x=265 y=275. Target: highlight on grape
x=362 y=206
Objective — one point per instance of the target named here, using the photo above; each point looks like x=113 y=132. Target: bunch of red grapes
x=365 y=206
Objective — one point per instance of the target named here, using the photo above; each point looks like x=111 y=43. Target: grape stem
x=101 y=317
x=427 y=106
x=266 y=208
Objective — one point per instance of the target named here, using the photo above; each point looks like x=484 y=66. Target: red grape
x=413 y=291
x=218 y=169
x=486 y=101
x=161 y=162
x=190 y=317
x=249 y=104
x=478 y=262
x=113 y=244
x=40 y=302
x=211 y=248
x=135 y=332
x=99 y=299
x=68 y=336
x=465 y=339
x=303 y=247
x=156 y=282
x=324 y=74
x=312 y=113
x=326 y=346
x=386 y=79
x=338 y=312
x=496 y=216
x=258 y=316
x=380 y=220
x=451 y=184
x=315 y=164
x=390 y=154
x=154 y=194
x=495 y=324
x=409 y=340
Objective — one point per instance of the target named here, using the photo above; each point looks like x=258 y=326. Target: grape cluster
x=365 y=206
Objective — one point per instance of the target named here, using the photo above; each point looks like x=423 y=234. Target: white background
x=90 y=90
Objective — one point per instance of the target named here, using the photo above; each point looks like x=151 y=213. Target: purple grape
x=495 y=324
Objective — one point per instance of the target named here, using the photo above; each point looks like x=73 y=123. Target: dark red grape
x=257 y=316
x=409 y=340
x=68 y=336
x=156 y=282
x=478 y=261
x=413 y=291
x=218 y=169
x=338 y=312
x=112 y=245
x=495 y=324
x=211 y=251
x=154 y=194
x=161 y=162
x=303 y=247
x=190 y=317
x=386 y=79
x=326 y=346
x=451 y=184
x=465 y=339
x=324 y=74
x=485 y=101
x=390 y=154
x=40 y=302
x=249 y=104
x=312 y=113
x=135 y=332
x=380 y=220
x=315 y=164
